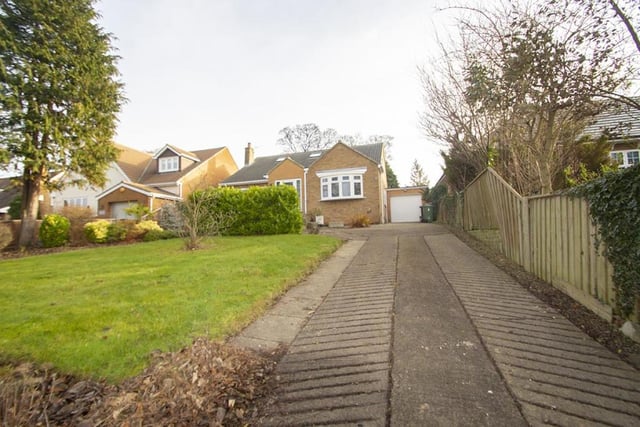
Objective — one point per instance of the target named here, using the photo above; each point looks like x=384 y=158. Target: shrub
x=54 y=231
x=263 y=210
x=153 y=235
x=96 y=231
x=138 y=211
x=117 y=231
x=6 y=235
x=14 y=207
x=615 y=210
x=144 y=227
x=78 y=216
x=361 y=221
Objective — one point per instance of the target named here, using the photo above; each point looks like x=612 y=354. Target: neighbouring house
x=338 y=184
x=621 y=125
x=148 y=179
x=9 y=190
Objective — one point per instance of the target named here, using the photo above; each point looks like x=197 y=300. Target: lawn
x=101 y=312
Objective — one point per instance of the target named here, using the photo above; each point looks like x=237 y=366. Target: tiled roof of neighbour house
x=132 y=162
x=372 y=151
x=621 y=121
x=150 y=177
x=261 y=166
x=8 y=192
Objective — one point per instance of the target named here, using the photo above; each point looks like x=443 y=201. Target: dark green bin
x=427 y=212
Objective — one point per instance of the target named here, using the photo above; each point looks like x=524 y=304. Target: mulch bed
x=599 y=329
x=208 y=384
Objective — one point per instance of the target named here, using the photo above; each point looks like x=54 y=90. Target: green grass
x=100 y=312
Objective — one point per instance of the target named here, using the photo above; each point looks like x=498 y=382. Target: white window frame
x=168 y=164
x=295 y=183
x=342 y=184
x=80 y=202
x=625 y=155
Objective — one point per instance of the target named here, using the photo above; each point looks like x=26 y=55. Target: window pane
x=346 y=189
x=325 y=191
x=335 y=189
x=633 y=157
x=357 y=177
x=357 y=189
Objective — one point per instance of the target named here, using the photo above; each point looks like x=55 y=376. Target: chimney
x=248 y=154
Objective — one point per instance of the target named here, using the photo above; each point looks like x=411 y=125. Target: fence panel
x=551 y=236
x=491 y=203
x=563 y=251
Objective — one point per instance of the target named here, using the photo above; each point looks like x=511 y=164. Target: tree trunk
x=29 y=213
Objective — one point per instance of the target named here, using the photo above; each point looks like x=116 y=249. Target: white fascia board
x=232 y=184
x=348 y=171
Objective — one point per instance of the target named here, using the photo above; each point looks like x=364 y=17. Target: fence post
x=525 y=235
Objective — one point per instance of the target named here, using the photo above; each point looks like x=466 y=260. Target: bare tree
x=518 y=90
x=306 y=137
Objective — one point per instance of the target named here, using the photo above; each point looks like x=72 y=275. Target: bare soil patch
x=599 y=329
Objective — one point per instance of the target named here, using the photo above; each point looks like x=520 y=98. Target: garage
x=118 y=210
x=405 y=208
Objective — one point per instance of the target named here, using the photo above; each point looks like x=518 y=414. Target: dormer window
x=168 y=164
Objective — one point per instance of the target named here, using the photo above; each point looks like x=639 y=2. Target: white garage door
x=406 y=208
x=118 y=210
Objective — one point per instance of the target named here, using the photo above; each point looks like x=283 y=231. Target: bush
x=256 y=211
x=361 y=221
x=153 y=235
x=96 y=231
x=263 y=210
x=54 y=231
x=14 y=207
x=6 y=235
x=78 y=216
x=143 y=228
x=615 y=209
x=138 y=211
x=117 y=231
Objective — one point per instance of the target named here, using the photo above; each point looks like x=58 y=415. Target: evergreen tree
x=392 y=179
x=59 y=96
x=417 y=177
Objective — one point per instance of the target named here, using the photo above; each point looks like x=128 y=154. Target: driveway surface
x=408 y=326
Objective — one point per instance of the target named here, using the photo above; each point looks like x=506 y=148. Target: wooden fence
x=550 y=236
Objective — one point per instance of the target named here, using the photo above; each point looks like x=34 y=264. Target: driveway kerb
x=282 y=322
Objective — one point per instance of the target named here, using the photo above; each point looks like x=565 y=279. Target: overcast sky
x=210 y=73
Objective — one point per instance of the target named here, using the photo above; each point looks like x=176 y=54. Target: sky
x=210 y=73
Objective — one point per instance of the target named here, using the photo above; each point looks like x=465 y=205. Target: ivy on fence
x=614 y=206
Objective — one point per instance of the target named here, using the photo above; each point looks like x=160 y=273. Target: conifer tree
x=59 y=96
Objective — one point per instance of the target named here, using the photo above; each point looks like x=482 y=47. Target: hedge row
x=255 y=211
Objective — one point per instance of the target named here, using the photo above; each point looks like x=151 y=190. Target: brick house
x=147 y=179
x=169 y=175
x=339 y=183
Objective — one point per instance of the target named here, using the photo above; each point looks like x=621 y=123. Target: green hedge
x=256 y=211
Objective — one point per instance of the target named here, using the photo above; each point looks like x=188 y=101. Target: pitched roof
x=132 y=162
x=261 y=166
x=151 y=177
x=617 y=122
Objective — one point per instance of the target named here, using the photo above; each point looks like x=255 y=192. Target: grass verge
x=101 y=312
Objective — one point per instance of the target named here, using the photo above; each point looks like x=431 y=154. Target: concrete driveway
x=408 y=326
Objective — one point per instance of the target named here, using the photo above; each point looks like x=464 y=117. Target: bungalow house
x=340 y=183
x=150 y=180
x=621 y=124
